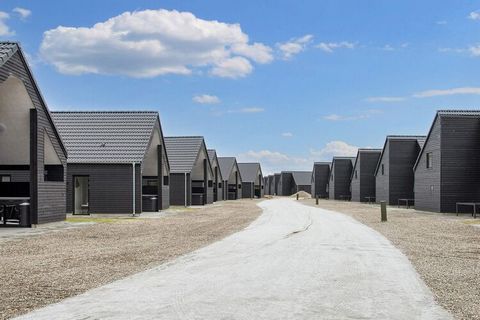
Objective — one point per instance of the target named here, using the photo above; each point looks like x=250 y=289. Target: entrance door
x=80 y=195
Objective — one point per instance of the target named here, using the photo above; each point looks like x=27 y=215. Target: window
x=53 y=172
x=166 y=180
x=356 y=176
x=210 y=183
x=429 y=160
x=220 y=185
x=5 y=178
x=383 y=169
x=432 y=189
x=239 y=186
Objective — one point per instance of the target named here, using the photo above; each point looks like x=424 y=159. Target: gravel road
x=293 y=262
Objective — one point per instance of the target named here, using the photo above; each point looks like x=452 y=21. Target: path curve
x=293 y=262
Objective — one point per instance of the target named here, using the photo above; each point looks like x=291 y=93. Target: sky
x=284 y=83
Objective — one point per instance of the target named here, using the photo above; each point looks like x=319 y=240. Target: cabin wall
x=110 y=187
x=367 y=175
x=382 y=181
x=48 y=204
x=177 y=189
x=342 y=175
x=402 y=159
x=460 y=159
x=427 y=180
x=355 y=183
x=321 y=175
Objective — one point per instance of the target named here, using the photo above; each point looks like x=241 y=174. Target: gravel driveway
x=293 y=262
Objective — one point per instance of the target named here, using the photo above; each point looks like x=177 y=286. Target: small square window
x=220 y=185
x=429 y=160
x=166 y=180
x=239 y=186
x=210 y=183
x=383 y=169
x=5 y=178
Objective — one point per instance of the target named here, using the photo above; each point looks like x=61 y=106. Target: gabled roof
x=7 y=50
x=226 y=165
x=183 y=152
x=352 y=160
x=302 y=178
x=446 y=113
x=106 y=136
x=249 y=171
x=364 y=150
x=319 y=163
x=212 y=156
x=420 y=140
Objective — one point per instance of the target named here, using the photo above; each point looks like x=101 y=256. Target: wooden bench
x=469 y=204
x=407 y=202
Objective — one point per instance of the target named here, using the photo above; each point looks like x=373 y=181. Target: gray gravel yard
x=45 y=268
x=444 y=249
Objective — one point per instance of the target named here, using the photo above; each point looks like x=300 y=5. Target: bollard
x=24 y=214
x=383 y=209
x=316 y=200
x=297 y=196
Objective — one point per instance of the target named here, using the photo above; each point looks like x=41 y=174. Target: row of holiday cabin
x=433 y=172
x=100 y=162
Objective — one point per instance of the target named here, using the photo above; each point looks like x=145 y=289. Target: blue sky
x=269 y=81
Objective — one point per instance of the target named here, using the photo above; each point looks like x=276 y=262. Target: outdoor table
x=471 y=204
x=407 y=202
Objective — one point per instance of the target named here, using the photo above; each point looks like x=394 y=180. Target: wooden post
x=383 y=210
x=316 y=199
x=297 y=196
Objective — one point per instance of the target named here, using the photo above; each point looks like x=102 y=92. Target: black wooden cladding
x=110 y=187
x=340 y=175
x=363 y=175
x=395 y=176
x=454 y=145
x=320 y=175
x=47 y=198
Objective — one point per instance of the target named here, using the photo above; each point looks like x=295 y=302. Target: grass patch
x=477 y=221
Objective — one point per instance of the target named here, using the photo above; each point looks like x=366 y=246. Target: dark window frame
x=429 y=160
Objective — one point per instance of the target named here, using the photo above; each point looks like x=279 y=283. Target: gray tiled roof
x=475 y=113
x=183 y=152
x=226 y=166
x=212 y=155
x=249 y=171
x=7 y=49
x=302 y=178
x=105 y=136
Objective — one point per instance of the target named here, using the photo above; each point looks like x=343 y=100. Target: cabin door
x=80 y=195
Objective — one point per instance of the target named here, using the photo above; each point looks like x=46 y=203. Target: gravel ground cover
x=46 y=268
x=444 y=249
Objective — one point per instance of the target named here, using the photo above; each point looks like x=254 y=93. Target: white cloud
x=441 y=22
x=274 y=161
x=22 y=12
x=474 y=50
x=287 y=134
x=206 y=99
x=474 y=15
x=294 y=46
x=385 y=99
x=388 y=47
x=447 y=92
x=4 y=28
x=331 y=46
x=150 y=43
x=365 y=115
x=235 y=67
x=250 y=110
x=334 y=148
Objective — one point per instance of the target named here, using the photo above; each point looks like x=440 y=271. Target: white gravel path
x=293 y=262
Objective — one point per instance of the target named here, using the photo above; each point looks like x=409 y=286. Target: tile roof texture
x=183 y=152
x=226 y=166
x=302 y=178
x=7 y=50
x=105 y=136
x=249 y=171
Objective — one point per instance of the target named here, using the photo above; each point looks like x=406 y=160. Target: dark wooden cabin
x=252 y=180
x=232 y=178
x=319 y=180
x=218 y=193
x=339 y=180
x=363 y=175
